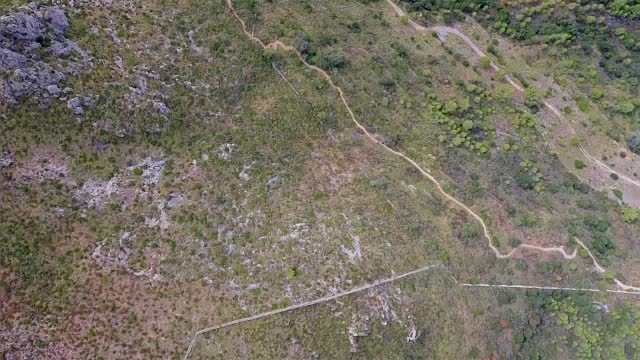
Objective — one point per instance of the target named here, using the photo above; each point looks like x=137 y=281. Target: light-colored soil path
x=450 y=30
x=277 y=44
x=504 y=286
x=557 y=113
x=307 y=304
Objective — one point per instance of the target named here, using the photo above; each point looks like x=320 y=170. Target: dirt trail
x=277 y=44
x=503 y=286
x=450 y=30
x=560 y=250
x=308 y=303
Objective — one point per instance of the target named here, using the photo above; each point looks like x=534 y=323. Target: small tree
x=450 y=107
x=485 y=62
x=596 y=93
x=630 y=215
x=532 y=97
x=626 y=107
x=504 y=92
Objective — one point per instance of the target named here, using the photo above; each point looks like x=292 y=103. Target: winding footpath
x=515 y=85
x=551 y=108
x=277 y=44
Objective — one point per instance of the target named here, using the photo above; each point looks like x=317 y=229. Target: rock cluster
x=28 y=36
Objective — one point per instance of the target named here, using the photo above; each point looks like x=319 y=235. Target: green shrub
x=596 y=93
x=575 y=141
x=292 y=272
x=617 y=193
x=526 y=181
x=506 y=297
x=532 y=97
x=630 y=215
x=485 y=61
x=634 y=143
x=515 y=242
x=470 y=231
x=580 y=164
x=625 y=107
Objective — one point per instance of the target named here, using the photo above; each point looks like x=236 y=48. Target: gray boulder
x=22 y=27
x=57 y=20
x=5 y=160
x=161 y=107
x=53 y=90
x=10 y=60
x=26 y=35
x=75 y=105
x=30 y=81
x=78 y=103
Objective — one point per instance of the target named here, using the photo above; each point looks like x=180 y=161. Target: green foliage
x=601 y=241
x=292 y=272
x=471 y=232
x=575 y=141
x=597 y=224
x=610 y=337
x=465 y=119
x=474 y=353
x=630 y=215
x=530 y=178
x=596 y=93
x=504 y=92
x=525 y=181
x=515 y=242
x=580 y=164
x=625 y=107
x=27 y=249
x=78 y=28
x=524 y=121
x=618 y=193
x=532 y=97
x=634 y=143
x=485 y=61
x=562 y=27
x=450 y=107
x=506 y=297
x=318 y=51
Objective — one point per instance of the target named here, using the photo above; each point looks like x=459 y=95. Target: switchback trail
x=515 y=85
x=555 y=111
x=277 y=44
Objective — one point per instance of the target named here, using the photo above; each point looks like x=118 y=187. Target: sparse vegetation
x=206 y=179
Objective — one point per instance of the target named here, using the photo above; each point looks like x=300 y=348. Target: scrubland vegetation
x=212 y=180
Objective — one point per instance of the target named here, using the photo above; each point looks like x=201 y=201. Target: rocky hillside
x=338 y=179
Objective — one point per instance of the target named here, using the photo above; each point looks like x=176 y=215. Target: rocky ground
x=36 y=57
